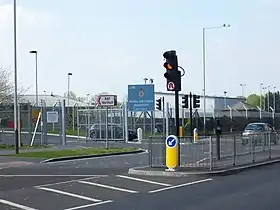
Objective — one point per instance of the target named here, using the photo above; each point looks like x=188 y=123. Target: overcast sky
x=109 y=44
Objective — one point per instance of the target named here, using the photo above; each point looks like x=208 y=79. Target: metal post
x=63 y=134
x=42 y=116
x=19 y=127
x=36 y=60
x=15 y=81
x=210 y=153
x=107 y=127
x=111 y=123
x=167 y=120
x=234 y=151
x=163 y=116
x=191 y=114
x=88 y=123
x=29 y=116
x=204 y=82
x=177 y=122
x=125 y=121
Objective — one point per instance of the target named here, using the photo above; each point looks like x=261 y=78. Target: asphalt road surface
x=111 y=188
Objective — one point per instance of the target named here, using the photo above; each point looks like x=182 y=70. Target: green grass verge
x=74 y=152
x=69 y=132
x=8 y=147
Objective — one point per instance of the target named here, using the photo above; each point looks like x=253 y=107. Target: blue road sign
x=171 y=141
x=141 y=97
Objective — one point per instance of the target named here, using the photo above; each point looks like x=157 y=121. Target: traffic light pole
x=191 y=117
x=177 y=121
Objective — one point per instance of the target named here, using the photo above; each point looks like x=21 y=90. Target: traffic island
x=201 y=171
x=79 y=153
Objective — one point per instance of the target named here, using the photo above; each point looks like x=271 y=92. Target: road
x=103 y=183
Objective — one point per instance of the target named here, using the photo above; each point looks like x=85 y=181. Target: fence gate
x=92 y=123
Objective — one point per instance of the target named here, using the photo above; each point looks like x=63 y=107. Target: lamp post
x=268 y=104
x=274 y=98
x=68 y=89
x=36 y=74
x=204 y=68
x=242 y=89
x=15 y=81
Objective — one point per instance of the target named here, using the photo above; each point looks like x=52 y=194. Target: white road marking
x=69 y=194
x=95 y=158
x=143 y=180
x=16 y=205
x=181 y=185
x=108 y=187
x=69 y=181
x=89 y=205
x=201 y=160
x=49 y=175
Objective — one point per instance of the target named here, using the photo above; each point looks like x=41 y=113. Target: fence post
x=29 y=116
x=234 y=151
x=150 y=151
x=210 y=153
x=63 y=135
x=269 y=145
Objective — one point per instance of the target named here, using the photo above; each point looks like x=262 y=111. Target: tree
x=7 y=86
x=72 y=95
x=253 y=99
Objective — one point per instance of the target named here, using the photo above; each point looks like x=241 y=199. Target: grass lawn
x=74 y=152
x=70 y=132
x=7 y=147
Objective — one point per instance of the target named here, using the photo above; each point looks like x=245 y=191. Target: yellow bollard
x=195 y=135
x=171 y=144
x=181 y=131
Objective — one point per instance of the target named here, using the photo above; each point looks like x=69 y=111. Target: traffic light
x=185 y=101
x=196 y=101
x=172 y=74
x=158 y=104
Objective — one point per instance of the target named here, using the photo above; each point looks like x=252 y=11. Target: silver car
x=259 y=134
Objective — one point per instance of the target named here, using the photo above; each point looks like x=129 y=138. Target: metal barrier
x=203 y=154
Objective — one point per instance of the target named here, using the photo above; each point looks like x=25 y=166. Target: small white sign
x=52 y=117
x=107 y=100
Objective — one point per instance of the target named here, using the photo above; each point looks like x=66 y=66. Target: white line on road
x=143 y=180
x=201 y=160
x=16 y=205
x=69 y=181
x=69 y=194
x=108 y=187
x=89 y=205
x=95 y=158
x=51 y=175
x=180 y=185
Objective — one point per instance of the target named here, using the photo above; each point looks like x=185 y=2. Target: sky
x=108 y=45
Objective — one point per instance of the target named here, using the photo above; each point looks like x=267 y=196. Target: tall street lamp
x=204 y=69
x=36 y=66
x=242 y=89
x=15 y=81
x=68 y=91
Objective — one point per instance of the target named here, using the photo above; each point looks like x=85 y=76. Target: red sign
x=170 y=86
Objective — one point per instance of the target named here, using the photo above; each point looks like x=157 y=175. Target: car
x=259 y=134
x=115 y=129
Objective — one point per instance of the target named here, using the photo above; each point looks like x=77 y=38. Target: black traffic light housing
x=185 y=101
x=196 y=101
x=172 y=74
x=159 y=104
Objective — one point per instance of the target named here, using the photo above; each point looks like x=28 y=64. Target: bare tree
x=7 y=86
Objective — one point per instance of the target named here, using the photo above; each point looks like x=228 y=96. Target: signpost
x=107 y=100
x=52 y=117
x=170 y=86
x=141 y=98
x=171 y=143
